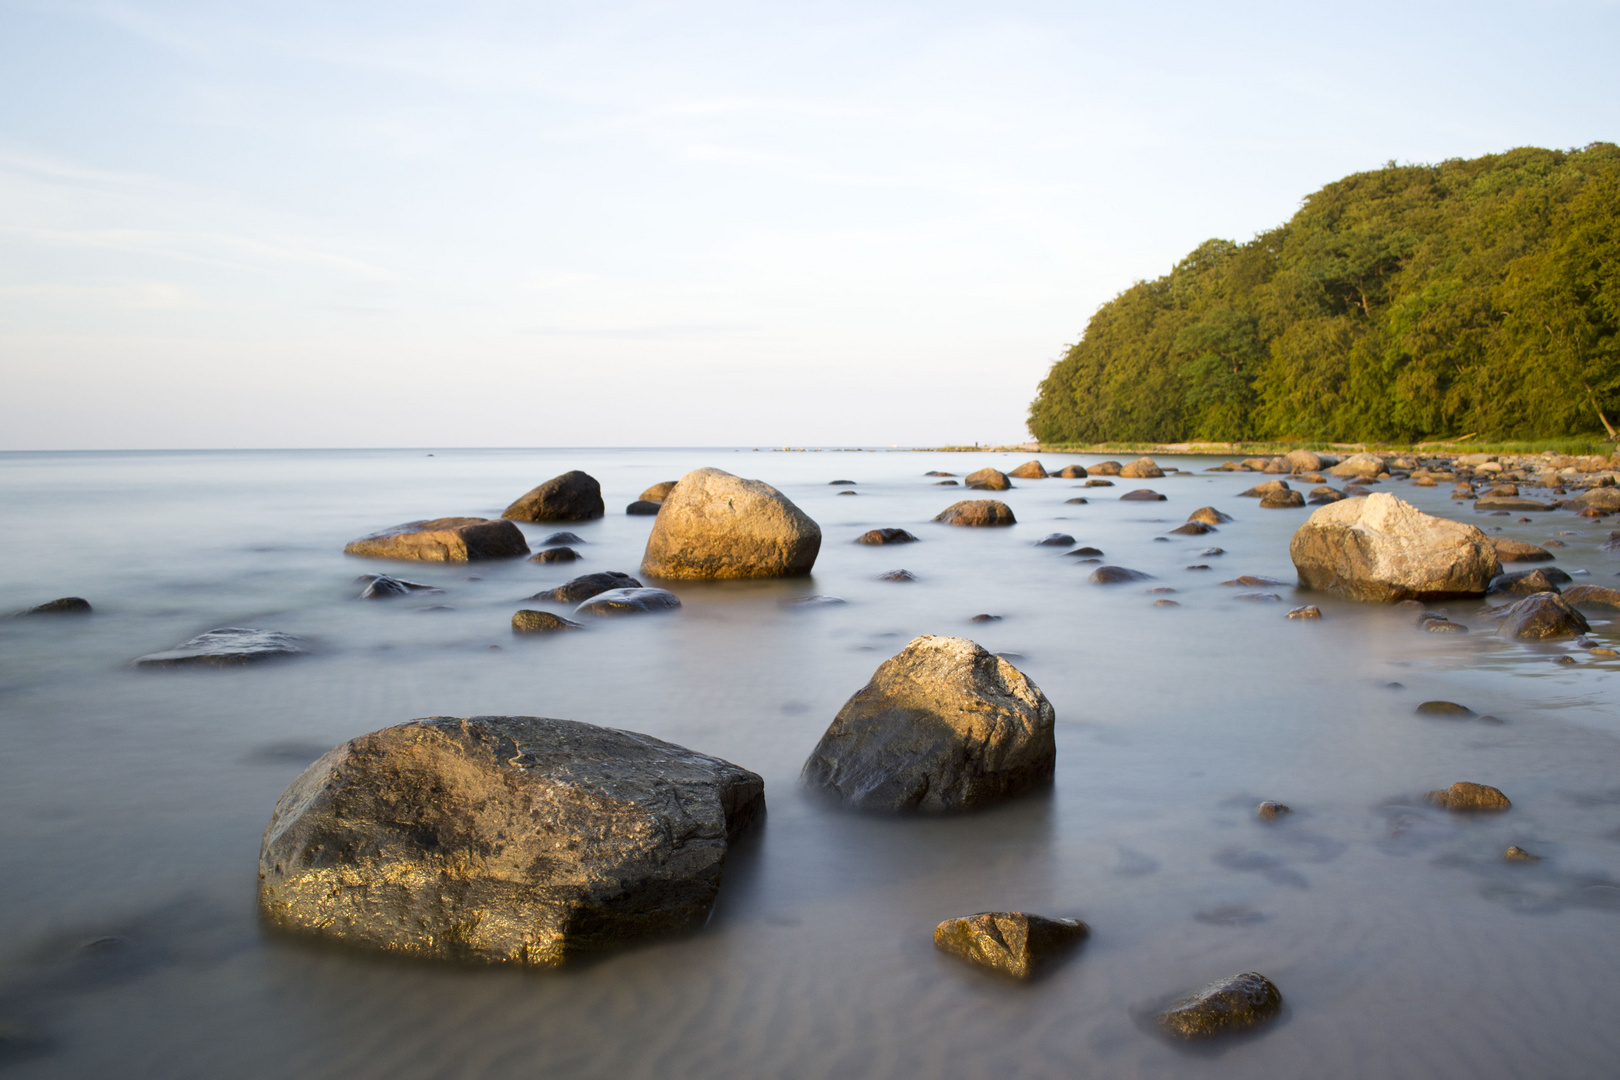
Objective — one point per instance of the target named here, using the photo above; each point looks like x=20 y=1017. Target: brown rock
x=1323 y=495
x=1260 y=491
x=1072 y=472
x=1105 y=468
x=1518 y=551
x=573 y=496
x=1010 y=942
x=1271 y=811
x=658 y=492
x=555 y=555
x=456 y=539
x=1141 y=469
x=1597 y=596
x=1303 y=461
x=977 y=512
x=1380 y=548
x=1116 y=575
x=1222 y=1008
x=1544 y=615
x=1282 y=500
x=1467 y=797
x=1209 y=516
x=1518 y=854
x=1310 y=611
x=1142 y=495
x=541 y=622
x=1029 y=470
x=987 y=480
x=586 y=586
x=1192 y=528
x=885 y=536
x=67 y=605
x=719 y=526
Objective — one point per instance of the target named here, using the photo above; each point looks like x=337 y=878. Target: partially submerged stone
x=562 y=538
x=1260 y=491
x=977 y=512
x=1209 y=516
x=1543 y=615
x=1116 y=575
x=1519 y=551
x=1271 y=811
x=1528 y=582
x=555 y=555
x=1380 y=548
x=1309 y=611
x=1363 y=466
x=718 y=526
x=1323 y=495
x=1508 y=503
x=384 y=586
x=1106 y=468
x=1444 y=708
x=502 y=839
x=1071 y=472
x=629 y=602
x=586 y=586
x=1192 y=528
x=1142 y=495
x=1282 y=500
x=1518 y=854
x=658 y=492
x=1029 y=470
x=1144 y=468
x=227 y=646
x=541 y=622
x=643 y=508
x=1055 y=540
x=987 y=480
x=66 y=605
x=885 y=536
x=1010 y=942
x=573 y=496
x=1597 y=596
x=1467 y=797
x=447 y=540
x=1222 y=1008
x=897 y=575
x=943 y=726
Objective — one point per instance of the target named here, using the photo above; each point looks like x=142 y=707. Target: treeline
x=1411 y=302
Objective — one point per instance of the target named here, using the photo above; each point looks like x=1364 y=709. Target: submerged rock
x=1055 y=540
x=1208 y=515
x=1075 y=502
x=1087 y=552
x=1543 y=615
x=1282 y=500
x=1260 y=491
x=1192 y=528
x=562 y=538
x=977 y=512
x=448 y=540
x=1596 y=596
x=1310 y=611
x=1324 y=495
x=897 y=575
x=1271 y=811
x=716 y=525
x=586 y=586
x=1029 y=470
x=555 y=555
x=885 y=536
x=1115 y=575
x=1526 y=582
x=1380 y=548
x=1010 y=942
x=573 y=496
x=502 y=839
x=643 y=508
x=541 y=622
x=67 y=605
x=658 y=492
x=1518 y=854
x=1467 y=797
x=383 y=586
x=1222 y=1008
x=1141 y=469
x=1071 y=472
x=1142 y=495
x=987 y=480
x=943 y=726
x=629 y=602
x=1444 y=708
x=1518 y=551
x=1490 y=502
x=227 y=646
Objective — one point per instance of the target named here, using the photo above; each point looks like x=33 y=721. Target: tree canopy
x=1409 y=302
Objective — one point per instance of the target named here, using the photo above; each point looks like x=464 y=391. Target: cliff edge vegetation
x=1412 y=302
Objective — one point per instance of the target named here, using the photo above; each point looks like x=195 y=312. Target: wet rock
x=448 y=540
x=1208 y=515
x=1251 y=580
x=1010 y=942
x=1260 y=491
x=1363 y=466
x=942 y=726
x=840 y=483
x=1495 y=503
x=1071 y=472
x=1141 y=469
x=1310 y=611
x=1115 y=575
x=897 y=575
x=1029 y=470
x=573 y=496
x=1055 y=540
x=1525 y=582
x=1605 y=500
x=227 y=646
x=849 y=493
x=1544 y=615
x=885 y=536
x=807 y=602
x=1261 y=597
x=658 y=492
x=1222 y=1008
x=1192 y=528
x=1303 y=461
x=643 y=508
x=985 y=618
x=1444 y=708
x=629 y=602
x=1380 y=548
x=1074 y=502
x=718 y=526
x=517 y=840
x=1142 y=495
x=1086 y=552
x=1198 y=566
x=1106 y=468
x=383 y=586
x=936 y=472
x=1518 y=854
x=1467 y=797
x=946 y=483
x=555 y=555
x=1282 y=500
x=1271 y=811
x=1098 y=483
x=1518 y=551
x=1440 y=625
x=987 y=480
x=586 y=586
x=976 y=512
x=541 y=622
x=562 y=538
x=1166 y=603
x=1323 y=495
x=1594 y=596
x=67 y=605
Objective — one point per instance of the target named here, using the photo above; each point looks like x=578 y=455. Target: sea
x=132 y=801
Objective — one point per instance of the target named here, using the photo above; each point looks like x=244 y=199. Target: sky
x=346 y=224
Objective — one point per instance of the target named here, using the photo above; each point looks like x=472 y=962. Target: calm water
x=131 y=802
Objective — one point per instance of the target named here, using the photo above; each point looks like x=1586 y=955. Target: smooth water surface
x=132 y=801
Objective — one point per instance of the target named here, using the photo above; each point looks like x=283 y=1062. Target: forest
x=1412 y=302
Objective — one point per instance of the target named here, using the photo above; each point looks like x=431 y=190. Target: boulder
x=67 y=605
x=1604 y=499
x=628 y=602
x=1222 y=1008
x=227 y=646
x=942 y=726
x=1142 y=495
x=1544 y=615
x=1595 y=596
x=573 y=496
x=1271 y=811
x=1515 y=853
x=715 y=525
x=897 y=575
x=987 y=480
x=658 y=492
x=1489 y=502
x=1086 y=552
x=1260 y=491
x=383 y=586
x=518 y=840
x=541 y=622
x=1209 y=516
x=643 y=508
x=1192 y=528
x=1072 y=472
x=1099 y=483
x=1444 y=708
x=562 y=538
x=977 y=512
x=1282 y=500
x=946 y=483
x=1116 y=575
x=1055 y=540
x=840 y=483
x=1519 y=551
x=447 y=540
x=1106 y=468
x=1303 y=461
x=1465 y=796
x=586 y=586
x=1324 y=495
x=1009 y=942
x=555 y=555
x=1309 y=611
x=1141 y=469
x=1380 y=548
x=1029 y=470
x=1525 y=582
x=885 y=536
x=1362 y=466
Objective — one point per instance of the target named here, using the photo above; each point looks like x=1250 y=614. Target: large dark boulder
x=977 y=512
x=502 y=839
x=228 y=646
x=1010 y=942
x=942 y=726
x=586 y=586
x=1380 y=548
x=447 y=540
x=1543 y=615
x=716 y=525
x=573 y=496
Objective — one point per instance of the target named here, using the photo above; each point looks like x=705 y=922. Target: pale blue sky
x=399 y=224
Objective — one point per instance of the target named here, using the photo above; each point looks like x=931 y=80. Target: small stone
x=643 y=508
x=540 y=622
x=1142 y=495
x=1010 y=942
x=840 y=483
x=1309 y=611
x=1444 y=708
x=1518 y=854
x=1166 y=603
x=562 y=538
x=1114 y=575
x=1271 y=811
x=1543 y=615
x=885 y=536
x=1526 y=582
x=629 y=602
x=1222 y=1008
x=227 y=646
x=807 y=602
x=1441 y=626
x=1603 y=653
x=898 y=575
x=1074 y=502
x=67 y=605
x=1467 y=797
x=1085 y=552
x=945 y=483
x=849 y=493
x=1199 y=566
x=1208 y=515
x=1055 y=540
x=587 y=586
x=1071 y=472
x=555 y=555
x=985 y=618
x=1260 y=491
x=1192 y=528
x=1261 y=597
x=383 y=586
x=1099 y=483
x=936 y=472
x=1210 y=553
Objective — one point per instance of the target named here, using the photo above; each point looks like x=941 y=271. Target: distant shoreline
x=1572 y=447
